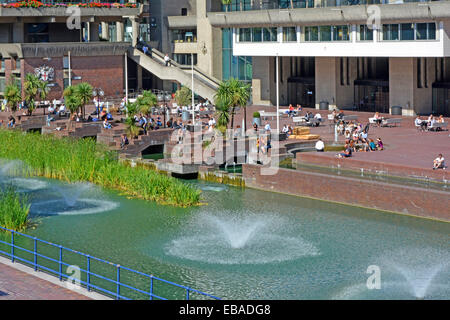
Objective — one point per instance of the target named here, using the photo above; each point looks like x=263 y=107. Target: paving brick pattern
x=17 y=285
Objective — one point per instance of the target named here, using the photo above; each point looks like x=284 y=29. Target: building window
x=239 y=67
x=257 y=34
x=18 y=61
x=390 y=32
x=409 y=31
x=365 y=33
x=184 y=35
x=311 y=33
x=245 y=35
x=184 y=59
x=184 y=11
x=270 y=34
x=340 y=33
x=66 y=62
x=290 y=34
x=327 y=33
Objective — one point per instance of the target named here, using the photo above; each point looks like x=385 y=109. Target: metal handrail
x=88 y=283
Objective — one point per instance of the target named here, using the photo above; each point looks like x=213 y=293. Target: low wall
x=372 y=166
x=370 y=194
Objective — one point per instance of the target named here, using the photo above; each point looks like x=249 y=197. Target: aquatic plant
x=14 y=209
x=84 y=160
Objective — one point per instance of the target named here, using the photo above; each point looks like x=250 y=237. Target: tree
x=223 y=115
x=34 y=88
x=83 y=92
x=146 y=102
x=71 y=101
x=231 y=94
x=133 y=130
x=183 y=96
x=12 y=94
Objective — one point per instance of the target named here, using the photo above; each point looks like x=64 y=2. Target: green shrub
x=256 y=114
x=14 y=209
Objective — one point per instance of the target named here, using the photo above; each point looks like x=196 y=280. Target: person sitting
x=267 y=127
x=51 y=109
x=363 y=136
x=285 y=129
x=318 y=118
x=61 y=110
x=380 y=146
x=372 y=145
x=299 y=109
x=11 y=122
x=347 y=134
x=255 y=127
x=347 y=152
x=106 y=124
x=123 y=141
x=439 y=162
x=291 y=111
x=377 y=118
x=440 y=119
x=320 y=146
x=421 y=123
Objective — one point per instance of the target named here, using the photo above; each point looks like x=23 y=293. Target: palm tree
x=146 y=102
x=30 y=87
x=132 y=129
x=83 y=91
x=12 y=94
x=231 y=94
x=43 y=90
x=223 y=115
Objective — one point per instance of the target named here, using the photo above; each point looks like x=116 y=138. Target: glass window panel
x=340 y=33
x=257 y=35
x=245 y=35
x=325 y=33
x=407 y=31
x=311 y=33
x=421 y=31
x=289 y=34
x=269 y=34
x=431 y=31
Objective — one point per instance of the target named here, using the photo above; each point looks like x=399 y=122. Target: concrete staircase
x=204 y=85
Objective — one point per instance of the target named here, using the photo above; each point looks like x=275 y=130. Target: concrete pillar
x=18 y=32
x=261 y=82
x=135 y=34
x=105 y=30
x=325 y=81
x=402 y=81
x=119 y=31
x=93 y=31
x=139 y=77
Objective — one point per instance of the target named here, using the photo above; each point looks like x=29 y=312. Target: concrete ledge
x=372 y=166
x=51 y=279
x=418 y=202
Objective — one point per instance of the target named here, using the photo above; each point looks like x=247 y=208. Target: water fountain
x=421 y=274
x=70 y=199
x=233 y=239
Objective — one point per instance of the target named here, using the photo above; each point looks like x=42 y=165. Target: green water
x=249 y=244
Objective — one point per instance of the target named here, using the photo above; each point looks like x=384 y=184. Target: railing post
x=35 y=254
x=88 y=273
x=118 y=283
x=187 y=293
x=151 y=287
x=60 y=262
x=12 y=246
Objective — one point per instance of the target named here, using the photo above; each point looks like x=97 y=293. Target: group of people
x=292 y=112
x=427 y=124
x=367 y=146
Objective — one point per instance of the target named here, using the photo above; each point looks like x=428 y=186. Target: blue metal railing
x=89 y=274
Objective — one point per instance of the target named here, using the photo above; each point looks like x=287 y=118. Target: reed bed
x=84 y=160
x=14 y=209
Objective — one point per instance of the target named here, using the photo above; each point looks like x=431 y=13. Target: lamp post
x=164 y=96
x=98 y=92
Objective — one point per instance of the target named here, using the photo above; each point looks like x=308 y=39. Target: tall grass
x=84 y=160
x=14 y=209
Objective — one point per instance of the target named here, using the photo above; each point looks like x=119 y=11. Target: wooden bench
x=390 y=122
x=437 y=125
x=299 y=120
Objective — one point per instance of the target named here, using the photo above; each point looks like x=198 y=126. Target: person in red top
x=291 y=110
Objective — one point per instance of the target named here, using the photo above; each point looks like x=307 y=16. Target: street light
x=98 y=92
x=164 y=97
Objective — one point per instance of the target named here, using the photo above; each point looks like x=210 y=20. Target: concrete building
x=68 y=45
x=368 y=55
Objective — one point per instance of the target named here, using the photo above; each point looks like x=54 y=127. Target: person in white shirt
x=166 y=59
x=267 y=127
x=320 y=146
x=285 y=129
x=439 y=162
